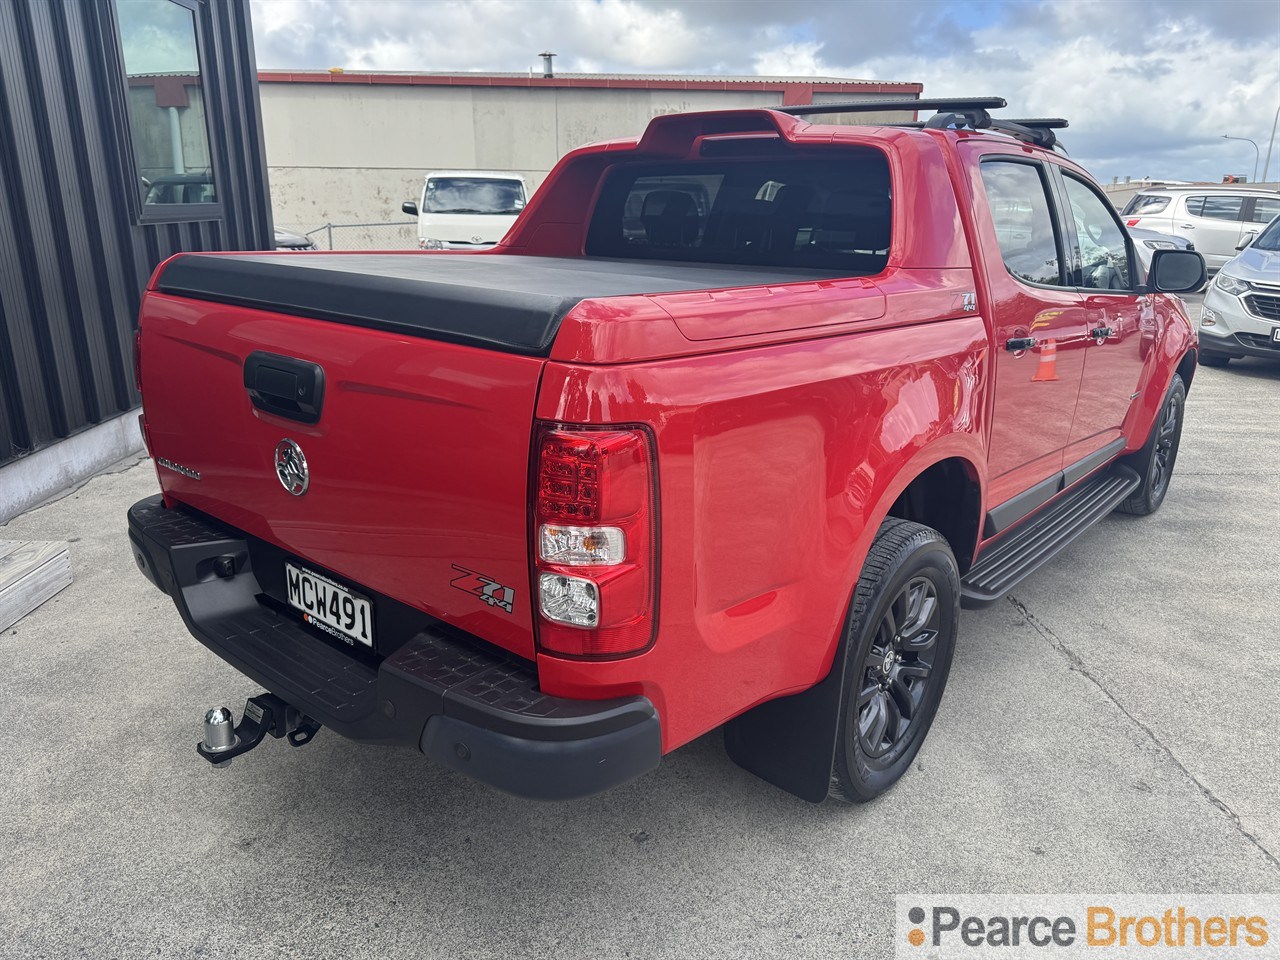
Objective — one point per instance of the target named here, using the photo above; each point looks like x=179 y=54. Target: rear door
x=1105 y=273
x=1040 y=335
x=1213 y=223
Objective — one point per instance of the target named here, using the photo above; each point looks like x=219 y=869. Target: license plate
x=1275 y=335
x=330 y=606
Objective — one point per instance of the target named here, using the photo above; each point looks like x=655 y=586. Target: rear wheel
x=901 y=635
x=1154 y=462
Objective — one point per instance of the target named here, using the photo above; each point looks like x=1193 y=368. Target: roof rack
x=952 y=112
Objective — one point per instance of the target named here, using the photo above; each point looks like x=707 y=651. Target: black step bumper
x=463 y=704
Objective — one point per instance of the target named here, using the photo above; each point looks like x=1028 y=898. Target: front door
x=1120 y=323
x=1040 y=336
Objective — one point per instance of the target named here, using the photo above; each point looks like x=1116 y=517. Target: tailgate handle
x=285 y=386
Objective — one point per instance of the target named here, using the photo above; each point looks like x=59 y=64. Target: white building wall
x=352 y=153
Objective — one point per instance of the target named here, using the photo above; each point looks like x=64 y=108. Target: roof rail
x=954 y=104
x=952 y=112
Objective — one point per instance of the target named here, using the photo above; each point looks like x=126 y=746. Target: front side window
x=1216 y=208
x=1145 y=205
x=1265 y=210
x=166 y=98
x=1018 y=197
x=1104 y=255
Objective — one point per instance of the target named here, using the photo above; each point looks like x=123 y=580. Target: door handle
x=1015 y=344
x=1188 y=226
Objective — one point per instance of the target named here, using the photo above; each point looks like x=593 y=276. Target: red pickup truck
x=724 y=433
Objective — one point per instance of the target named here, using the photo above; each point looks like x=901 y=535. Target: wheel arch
x=1187 y=367
x=947 y=496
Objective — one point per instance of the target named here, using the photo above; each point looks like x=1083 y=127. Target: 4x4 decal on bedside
x=488 y=590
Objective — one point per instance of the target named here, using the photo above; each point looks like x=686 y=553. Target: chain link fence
x=393 y=235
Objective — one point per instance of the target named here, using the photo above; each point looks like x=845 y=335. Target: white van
x=466 y=209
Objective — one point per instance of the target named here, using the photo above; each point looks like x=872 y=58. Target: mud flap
x=791 y=742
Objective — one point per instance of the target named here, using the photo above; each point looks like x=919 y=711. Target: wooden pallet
x=30 y=573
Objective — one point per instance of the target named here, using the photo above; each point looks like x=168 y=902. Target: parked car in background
x=1241 y=316
x=1214 y=218
x=1147 y=242
x=466 y=209
x=293 y=241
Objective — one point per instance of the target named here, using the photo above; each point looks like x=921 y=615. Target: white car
x=1241 y=315
x=1213 y=217
x=466 y=209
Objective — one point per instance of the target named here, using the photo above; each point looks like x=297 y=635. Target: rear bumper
x=463 y=704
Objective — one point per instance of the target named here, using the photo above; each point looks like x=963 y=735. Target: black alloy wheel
x=900 y=634
x=897 y=669
x=1155 y=461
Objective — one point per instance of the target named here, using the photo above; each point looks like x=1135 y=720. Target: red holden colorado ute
x=724 y=433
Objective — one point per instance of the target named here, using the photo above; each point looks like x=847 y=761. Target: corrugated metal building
x=129 y=130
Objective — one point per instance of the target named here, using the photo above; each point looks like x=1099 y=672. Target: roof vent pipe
x=547 y=71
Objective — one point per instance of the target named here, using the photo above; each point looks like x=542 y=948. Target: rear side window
x=821 y=212
x=1216 y=208
x=1145 y=205
x=1018 y=197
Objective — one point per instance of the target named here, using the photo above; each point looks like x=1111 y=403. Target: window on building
x=169 y=129
x=1018 y=197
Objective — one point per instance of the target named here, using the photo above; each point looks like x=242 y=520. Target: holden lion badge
x=291 y=467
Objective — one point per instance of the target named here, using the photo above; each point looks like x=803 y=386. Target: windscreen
x=473 y=195
x=1145 y=204
x=1270 y=238
x=829 y=212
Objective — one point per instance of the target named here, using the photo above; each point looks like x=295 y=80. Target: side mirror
x=1176 y=271
x=1247 y=239
x=410 y=208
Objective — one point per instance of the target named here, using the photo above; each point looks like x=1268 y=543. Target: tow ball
x=224 y=739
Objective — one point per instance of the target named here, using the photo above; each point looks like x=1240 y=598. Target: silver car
x=1241 y=315
x=1212 y=216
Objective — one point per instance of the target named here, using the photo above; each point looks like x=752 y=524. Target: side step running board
x=1004 y=565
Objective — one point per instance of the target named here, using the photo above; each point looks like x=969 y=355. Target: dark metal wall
x=74 y=255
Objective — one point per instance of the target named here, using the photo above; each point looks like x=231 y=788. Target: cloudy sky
x=1150 y=86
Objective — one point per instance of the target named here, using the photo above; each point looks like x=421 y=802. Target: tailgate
x=418 y=464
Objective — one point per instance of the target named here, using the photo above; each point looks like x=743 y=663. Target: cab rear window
x=828 y=213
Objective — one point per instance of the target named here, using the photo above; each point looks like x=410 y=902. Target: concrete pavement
x=1109 y=728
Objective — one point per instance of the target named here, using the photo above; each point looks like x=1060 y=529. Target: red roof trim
x=793 y=92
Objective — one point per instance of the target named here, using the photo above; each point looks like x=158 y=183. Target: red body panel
x=424 y=447
x=787 y=418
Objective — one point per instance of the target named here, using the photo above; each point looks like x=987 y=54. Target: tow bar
x=224 y=740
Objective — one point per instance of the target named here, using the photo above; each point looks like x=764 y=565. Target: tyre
x=1213 y=359
x=1155 y=461
x=901 y=634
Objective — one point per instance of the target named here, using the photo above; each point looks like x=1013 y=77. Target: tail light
x=595 y=540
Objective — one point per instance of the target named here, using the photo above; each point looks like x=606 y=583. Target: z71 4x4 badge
x=490 y=591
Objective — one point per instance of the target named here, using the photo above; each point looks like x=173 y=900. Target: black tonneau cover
x=503 y=302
